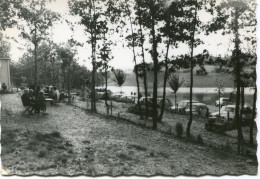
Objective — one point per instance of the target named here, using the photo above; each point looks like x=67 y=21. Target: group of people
x=53 y=93
x=36 y=101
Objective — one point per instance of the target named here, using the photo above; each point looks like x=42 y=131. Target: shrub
x=179 y=129
x=42 y=153
x=55 y=134
x=200 y=139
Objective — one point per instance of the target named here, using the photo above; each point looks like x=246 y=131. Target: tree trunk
x=134 y=55
x=155 y=62
x=191 y=72
x=107 y=107
x=93 y=46
x=35 y=57
x=238 y=122
x=219 y=103
x=69 y=97
x=252 y=123
x=242 y=108
x=144 y=66
x=165 y=81
x=53 y=76
x=175 y=98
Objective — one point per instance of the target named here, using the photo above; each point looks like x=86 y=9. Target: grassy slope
x=199 y=80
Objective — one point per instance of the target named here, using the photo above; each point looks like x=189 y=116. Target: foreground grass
x=69 y=141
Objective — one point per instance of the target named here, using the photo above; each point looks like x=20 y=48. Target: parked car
x=136 y=110
x=168 y=102
x=127 y=99
x=200 y=109
x=181 y=106
x=224 y=112
x=222 y=102
x=221 y=124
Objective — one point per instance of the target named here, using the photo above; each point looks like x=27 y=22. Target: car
x=200 y=109
x=136 y=110
x=168 y=102
x=225 y=123
x=181 y=105
x=127 y=99
x=226 y=112
x=222 y=102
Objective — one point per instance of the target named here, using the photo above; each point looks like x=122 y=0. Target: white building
x=5 y=72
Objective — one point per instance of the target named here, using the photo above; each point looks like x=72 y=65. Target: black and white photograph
x=120 y=88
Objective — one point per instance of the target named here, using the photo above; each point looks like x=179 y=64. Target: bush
x=179 y=129
x=200 y=139
x=41 y=153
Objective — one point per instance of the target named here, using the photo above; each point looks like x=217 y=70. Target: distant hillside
x=198 y=81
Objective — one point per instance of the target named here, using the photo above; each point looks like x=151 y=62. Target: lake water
x=204 y=95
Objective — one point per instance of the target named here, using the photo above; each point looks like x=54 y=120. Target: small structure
x=5 y=72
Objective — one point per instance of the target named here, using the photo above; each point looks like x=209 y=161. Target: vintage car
x=181 y=106
x=222 y=102
x=226 y=112
x=199 y=109
x=168 y=102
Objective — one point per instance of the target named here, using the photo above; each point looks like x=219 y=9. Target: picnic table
x=46 y=94
x=73 y=95
x=48 y=101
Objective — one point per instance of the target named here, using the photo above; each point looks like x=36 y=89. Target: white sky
x=216 y=44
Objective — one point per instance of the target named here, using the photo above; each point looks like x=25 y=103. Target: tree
x=132 y=39
x=8 y=13
x=194 y=23
x=172 y=31
x=220 y=85
x=120 y=77
x=151 y=16
x=143 y=65
x=67 y=55
x=105 y=57
x=93 y=15
x=234 y=16
x=175 y=84
x=38 y=20
x=4 y=47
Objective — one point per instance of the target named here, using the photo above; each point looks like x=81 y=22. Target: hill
x=198 y=81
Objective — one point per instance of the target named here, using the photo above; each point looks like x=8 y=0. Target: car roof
x=194 y=101
x=231 y=105
x=199 y=104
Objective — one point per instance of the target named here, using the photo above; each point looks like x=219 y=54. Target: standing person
x=56 y=94
x=37 y=89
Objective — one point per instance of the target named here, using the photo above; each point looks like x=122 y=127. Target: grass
x=199 y=80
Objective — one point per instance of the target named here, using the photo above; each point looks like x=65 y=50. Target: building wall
x=5 y=72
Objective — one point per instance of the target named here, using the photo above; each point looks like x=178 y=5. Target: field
x=69 y=140
x=199 y=80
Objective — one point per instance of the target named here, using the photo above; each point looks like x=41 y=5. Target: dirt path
x=80 y=143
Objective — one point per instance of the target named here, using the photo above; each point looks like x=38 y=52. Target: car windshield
x=226 y=100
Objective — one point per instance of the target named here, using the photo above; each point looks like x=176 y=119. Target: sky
x=216 y=44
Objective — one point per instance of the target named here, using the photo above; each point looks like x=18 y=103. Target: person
x=4 y=87
x=37 y=89
x=31 y=94
x=56 y=94
x=27 y=101
x=40 y=102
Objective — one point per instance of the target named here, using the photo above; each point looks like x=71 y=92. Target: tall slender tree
x=38 y=20
x=233 y=16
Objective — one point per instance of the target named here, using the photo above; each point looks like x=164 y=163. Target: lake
x=204 y=95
